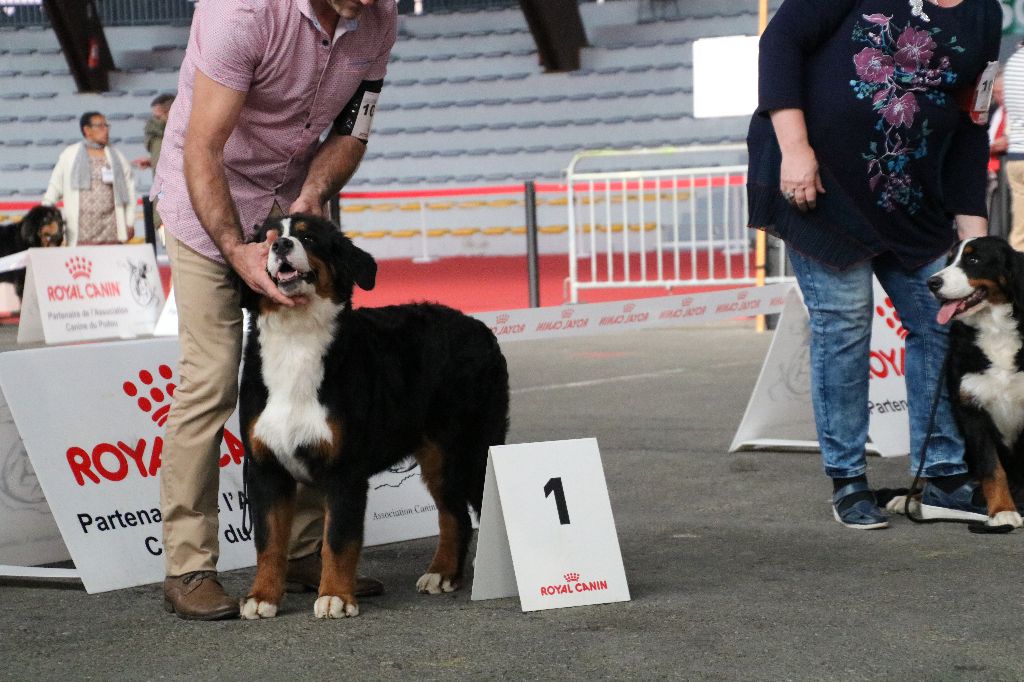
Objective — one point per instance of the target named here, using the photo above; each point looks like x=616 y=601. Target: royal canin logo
x=741 y=295
x=567 y=313
x=112 y=462
x=892 y=318
x=628 y=308
x=154 y=396
x=685 y=302
x=79 y=267
x=503 y=318
x=573 y=585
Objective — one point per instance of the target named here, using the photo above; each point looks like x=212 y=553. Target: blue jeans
x=841 y=308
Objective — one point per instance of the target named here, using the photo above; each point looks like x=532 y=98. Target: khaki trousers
x=1015 y=176
x=210 y=332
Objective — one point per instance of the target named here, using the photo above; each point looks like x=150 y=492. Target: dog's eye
x=971 y=260
x=305 y=238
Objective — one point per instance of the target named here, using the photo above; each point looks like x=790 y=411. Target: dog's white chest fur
x=292 y=347
x=1000 y=388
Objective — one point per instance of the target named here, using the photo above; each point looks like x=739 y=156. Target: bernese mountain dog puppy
x=331 y=395
x=982 y=291
x=42 y=226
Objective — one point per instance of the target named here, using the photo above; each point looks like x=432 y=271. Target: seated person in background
x=42 y=226
x=95 y=181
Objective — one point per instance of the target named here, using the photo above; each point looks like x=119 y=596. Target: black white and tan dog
x=331 y=395
x=982 y=291
x=42 y=226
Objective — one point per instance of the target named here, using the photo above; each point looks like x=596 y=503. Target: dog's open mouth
x=288 y=278
x=958 y=306
x=286 y=273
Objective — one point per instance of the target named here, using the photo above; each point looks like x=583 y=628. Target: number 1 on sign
x=554 y=485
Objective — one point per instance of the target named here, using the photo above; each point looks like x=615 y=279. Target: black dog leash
x=973 y=526
x=243 y=504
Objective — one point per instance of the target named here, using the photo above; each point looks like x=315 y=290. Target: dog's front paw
x=252 y=608
x=335 y=607
x=1005 y=518
x=435 y=583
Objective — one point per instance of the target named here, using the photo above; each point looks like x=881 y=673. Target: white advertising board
x=399 y=507
x=98 y=461
x=86 y=293
x=779 y=414
x=28 y=533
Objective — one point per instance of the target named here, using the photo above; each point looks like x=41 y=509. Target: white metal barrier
x=651 y=226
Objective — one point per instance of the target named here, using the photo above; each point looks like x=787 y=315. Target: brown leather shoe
x=304 y=576
x=198 y=596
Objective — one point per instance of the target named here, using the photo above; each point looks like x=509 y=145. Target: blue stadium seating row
x=467 y=101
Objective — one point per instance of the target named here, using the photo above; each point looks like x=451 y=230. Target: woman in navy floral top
x=864 y=161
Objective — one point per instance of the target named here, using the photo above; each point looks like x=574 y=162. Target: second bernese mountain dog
x=982 y=292
x=331 y=395
x=42 y=226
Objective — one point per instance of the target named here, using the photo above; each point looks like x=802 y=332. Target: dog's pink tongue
x=947 y=311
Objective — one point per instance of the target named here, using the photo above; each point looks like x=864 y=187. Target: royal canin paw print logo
x=151 y=398
x=79 y=267
x=571 y=577
x=628 y=308
x=503 y=318
x=741 y=295
x=686 y=302
x=892 y=318
x=567 y=313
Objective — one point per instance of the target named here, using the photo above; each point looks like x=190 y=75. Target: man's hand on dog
x=250 y=262
x=307 y=204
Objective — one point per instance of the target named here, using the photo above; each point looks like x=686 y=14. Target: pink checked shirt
x=298 y=79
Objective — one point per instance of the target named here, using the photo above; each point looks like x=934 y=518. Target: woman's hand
x=800 y=182
x=970 y=226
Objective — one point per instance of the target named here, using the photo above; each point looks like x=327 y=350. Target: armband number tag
x=983 y=94
x=364 y=118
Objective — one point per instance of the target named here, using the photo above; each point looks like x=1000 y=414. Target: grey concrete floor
x=736 y=568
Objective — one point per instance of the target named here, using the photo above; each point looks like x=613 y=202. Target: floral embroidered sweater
x=880 y=91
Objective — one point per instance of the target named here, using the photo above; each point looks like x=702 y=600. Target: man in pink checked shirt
x=261 y=81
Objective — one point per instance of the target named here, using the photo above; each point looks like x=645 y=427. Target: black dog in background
x=42 y=226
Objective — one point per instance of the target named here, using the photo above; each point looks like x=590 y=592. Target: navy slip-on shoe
x=955 y=506
x=860 y=515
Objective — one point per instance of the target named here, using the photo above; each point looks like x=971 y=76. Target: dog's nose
x=934 y=283
x=282 y=246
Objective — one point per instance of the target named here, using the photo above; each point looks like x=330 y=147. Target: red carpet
x=484 y=283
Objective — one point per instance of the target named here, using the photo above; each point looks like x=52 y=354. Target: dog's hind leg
x=272 y=501
x=343 y=543
x=445 y=570
x=982 y=455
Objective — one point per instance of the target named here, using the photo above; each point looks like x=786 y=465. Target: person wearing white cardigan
x=71 y=177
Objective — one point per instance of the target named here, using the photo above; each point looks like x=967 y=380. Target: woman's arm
x=799 y=176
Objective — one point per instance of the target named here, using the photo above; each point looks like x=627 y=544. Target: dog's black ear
x=356 y=263
x=30 y=224
x=363 y=267
x=247 y=298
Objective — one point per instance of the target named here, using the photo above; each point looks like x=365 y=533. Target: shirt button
x=308 y=125
x=325 y=43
